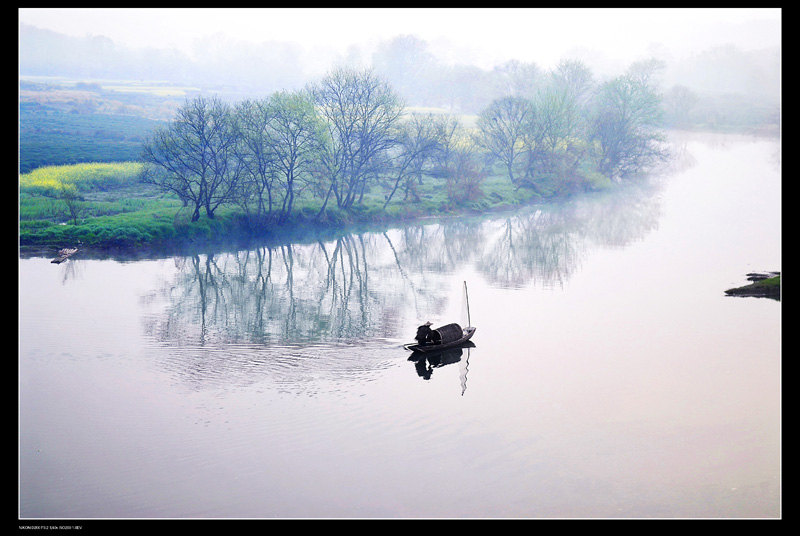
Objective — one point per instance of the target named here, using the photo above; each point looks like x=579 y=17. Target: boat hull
x=436 y=347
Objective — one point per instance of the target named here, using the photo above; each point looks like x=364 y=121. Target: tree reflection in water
x=373 y=286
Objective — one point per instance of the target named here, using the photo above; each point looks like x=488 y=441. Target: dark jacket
x=423 y=334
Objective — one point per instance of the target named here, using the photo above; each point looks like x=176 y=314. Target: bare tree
x=680 y=101
x=517 y=79
x=627 y=119
x=73 y=201
x=194 y=156
x=503 y=128
x=406 y=63
x=255 y=152
x=416 y=142
x=449 y=133
x=361 y=111
x=280 y=138
x=298 y=134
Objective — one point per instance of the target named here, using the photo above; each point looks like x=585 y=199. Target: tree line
x=350 y=134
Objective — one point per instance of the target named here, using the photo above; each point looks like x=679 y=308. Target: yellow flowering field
x=78 y=176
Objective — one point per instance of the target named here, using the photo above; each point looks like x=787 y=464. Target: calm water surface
x=610 y=376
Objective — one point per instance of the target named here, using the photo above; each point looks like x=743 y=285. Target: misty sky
x=485 y=36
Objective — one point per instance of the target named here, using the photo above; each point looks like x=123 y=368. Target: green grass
x=111 y=206
x=105 y=205
x=772 y=282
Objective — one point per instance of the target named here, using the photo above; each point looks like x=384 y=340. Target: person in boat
x=424 y=333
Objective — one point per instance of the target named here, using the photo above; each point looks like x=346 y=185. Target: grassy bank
x=106 y=206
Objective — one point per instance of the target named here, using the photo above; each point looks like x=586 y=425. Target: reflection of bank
x=425 y=363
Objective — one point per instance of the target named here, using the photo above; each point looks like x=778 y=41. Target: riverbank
x=122 y=214
x=228 y=232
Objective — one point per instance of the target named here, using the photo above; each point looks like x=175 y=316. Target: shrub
x=465 y=184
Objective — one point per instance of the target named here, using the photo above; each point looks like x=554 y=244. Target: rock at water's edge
x=764 y=285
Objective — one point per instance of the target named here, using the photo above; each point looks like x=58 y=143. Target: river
x=609 y=377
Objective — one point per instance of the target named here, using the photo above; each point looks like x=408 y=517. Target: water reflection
x=424 y=364
x=369 y=286
x=624 y=396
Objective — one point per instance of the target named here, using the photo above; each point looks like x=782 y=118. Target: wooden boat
x=63 y=255
x=447 y=336
x=441 y=338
